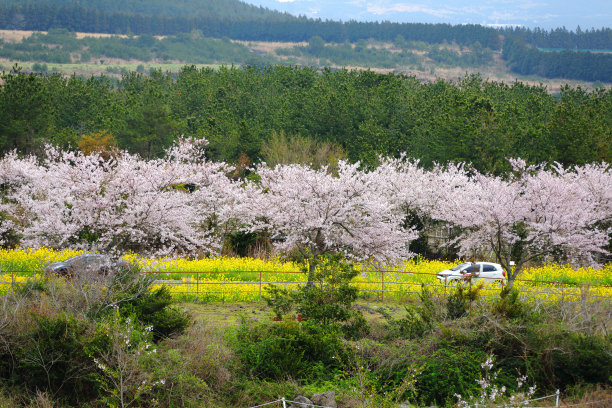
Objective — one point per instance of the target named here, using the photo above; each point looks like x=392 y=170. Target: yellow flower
x=242 y=279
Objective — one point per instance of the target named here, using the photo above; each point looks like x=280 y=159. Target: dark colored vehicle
x=86 y=264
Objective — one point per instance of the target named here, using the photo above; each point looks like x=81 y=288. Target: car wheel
x=62 y=272
x=452 y=282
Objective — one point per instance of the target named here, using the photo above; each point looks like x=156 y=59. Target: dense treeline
x=240 y=109
x=586 y=66
x=42 y=16
x=562 y=38
x=226 y=9
x=239 y=20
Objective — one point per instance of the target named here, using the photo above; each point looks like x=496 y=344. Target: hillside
x=557 y=53
x=100 y=53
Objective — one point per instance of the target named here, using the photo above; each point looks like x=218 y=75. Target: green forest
x=243 y=110
x=586 y=65
x=225 y=9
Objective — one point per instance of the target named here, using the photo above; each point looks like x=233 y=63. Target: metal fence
x=384 y=284
x=381 y=285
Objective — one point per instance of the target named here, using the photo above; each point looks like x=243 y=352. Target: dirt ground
x=18 y=35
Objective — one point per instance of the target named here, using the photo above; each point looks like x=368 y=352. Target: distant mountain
x=232 y=10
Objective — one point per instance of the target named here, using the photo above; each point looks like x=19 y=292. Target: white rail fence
x=556 y=397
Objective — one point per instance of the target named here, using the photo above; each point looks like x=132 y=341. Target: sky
x=546 y=14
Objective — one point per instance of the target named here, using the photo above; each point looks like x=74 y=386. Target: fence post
x=259 y=286
x=382 y=296
x=557 y=399
x=284 y=403
x=470 y=295
x=197 y=286
x=13 y=281
x=445 y=278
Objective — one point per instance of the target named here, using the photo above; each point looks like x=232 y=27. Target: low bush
x=461 y=299
x=205 y=353
x=327 y=299
x=155 y=309
x=587 y=359
x=446 y=372
x=561 y=359
x=419 y=319
x=112 y=343
x=52 y=357
x=30 y=287
x=289 y=349
x=85 y=339
x=509 y=304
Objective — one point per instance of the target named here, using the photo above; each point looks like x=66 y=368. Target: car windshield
x=83 y=258
x=458 y=267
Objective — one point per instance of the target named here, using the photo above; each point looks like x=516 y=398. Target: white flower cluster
x=490 y=393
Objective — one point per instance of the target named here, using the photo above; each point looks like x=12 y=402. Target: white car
x=483 y=271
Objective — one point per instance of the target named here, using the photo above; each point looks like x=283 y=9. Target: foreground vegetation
x=114 y=342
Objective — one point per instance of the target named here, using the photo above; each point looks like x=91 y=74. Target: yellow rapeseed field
x=235 y=279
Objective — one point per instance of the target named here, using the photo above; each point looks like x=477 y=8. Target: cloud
x=313 y=12
x=408 y=8
x=502 y=15
x=499 y=25
x=527 y=6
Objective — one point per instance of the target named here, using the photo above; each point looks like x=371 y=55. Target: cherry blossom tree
x=318 y=213
x=15 y=173
x=535 y=214
x=163 y=206
x=185 y=203
x=410 y=188
x=596 y=179
x=415 y=192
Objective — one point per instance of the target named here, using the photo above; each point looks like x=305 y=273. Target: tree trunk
x=513 y=274
x=311 y=271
